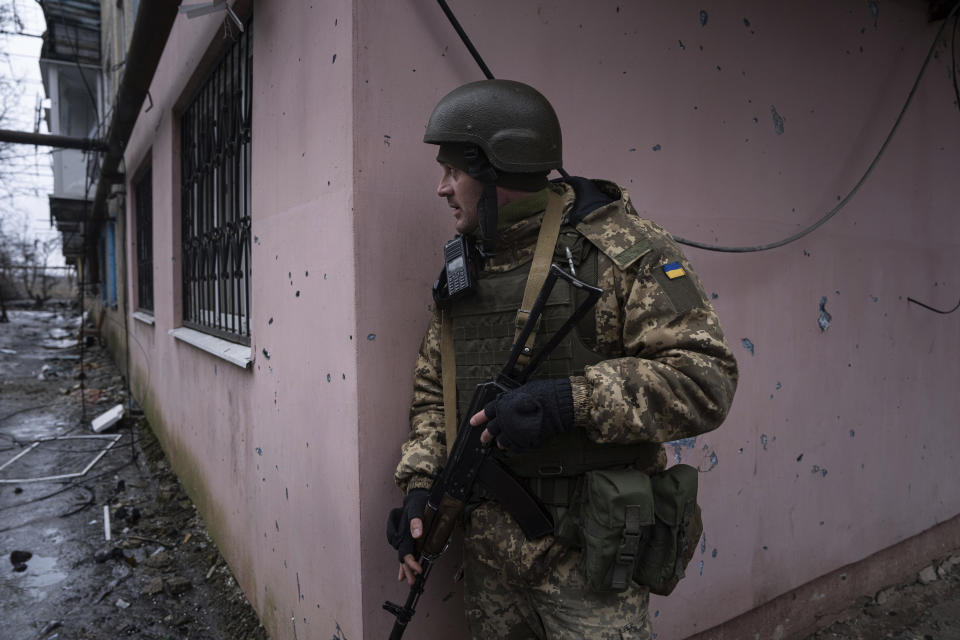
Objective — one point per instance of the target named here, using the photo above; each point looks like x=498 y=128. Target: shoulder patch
x=617 y=232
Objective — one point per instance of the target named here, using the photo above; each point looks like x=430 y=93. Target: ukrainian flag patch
x=674 y=270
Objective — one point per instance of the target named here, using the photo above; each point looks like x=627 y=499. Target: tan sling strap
x=542 y=257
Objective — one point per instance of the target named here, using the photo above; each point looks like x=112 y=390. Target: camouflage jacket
x=670 y=373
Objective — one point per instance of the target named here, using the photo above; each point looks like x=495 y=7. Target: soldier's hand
x=524 y=417
x=404 y=526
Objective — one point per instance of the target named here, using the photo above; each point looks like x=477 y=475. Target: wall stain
x=712 y=458
x=778 y=120
x=823 y=321
x=703 y=18
x=678 y=446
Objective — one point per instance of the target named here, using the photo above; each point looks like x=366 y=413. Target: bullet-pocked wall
x=735 y=124
x=269 y=452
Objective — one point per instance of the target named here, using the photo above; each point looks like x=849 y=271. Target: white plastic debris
x=106 y=522
x=107 y=419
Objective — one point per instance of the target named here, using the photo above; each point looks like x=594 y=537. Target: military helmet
x=511 y=122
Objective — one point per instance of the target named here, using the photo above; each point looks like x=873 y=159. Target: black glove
x=398 y=521
x=523 y=418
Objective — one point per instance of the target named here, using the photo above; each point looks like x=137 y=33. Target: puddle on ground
x=64 y=343
x=35 y=425
x=55 y=536
x=41 y=573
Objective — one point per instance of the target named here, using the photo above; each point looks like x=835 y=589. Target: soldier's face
x=462 y=193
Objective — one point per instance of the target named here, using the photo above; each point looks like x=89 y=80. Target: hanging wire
x=476 y=54
x=466 y=39
x=873 y=163
x=845 y=200
x=953 y=55
x=926 y=306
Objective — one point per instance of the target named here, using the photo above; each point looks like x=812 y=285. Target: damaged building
x=257 y=222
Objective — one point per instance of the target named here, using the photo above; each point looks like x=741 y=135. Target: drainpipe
x=51 y=140
x=150 y=32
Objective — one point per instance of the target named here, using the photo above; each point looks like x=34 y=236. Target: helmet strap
x=479 y=168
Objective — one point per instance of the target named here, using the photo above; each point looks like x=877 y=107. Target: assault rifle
x=470 y=460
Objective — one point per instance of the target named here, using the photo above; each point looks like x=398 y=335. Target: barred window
x=215 y=201
x=143 y=192
x=108 y=258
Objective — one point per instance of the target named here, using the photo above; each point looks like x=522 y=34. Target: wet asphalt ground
x=158 y=575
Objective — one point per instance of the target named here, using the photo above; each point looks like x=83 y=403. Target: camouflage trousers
x=518 y=590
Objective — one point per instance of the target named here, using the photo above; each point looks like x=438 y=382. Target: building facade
x=279 y=232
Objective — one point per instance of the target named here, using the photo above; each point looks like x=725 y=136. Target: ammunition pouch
x=617 y=510
x=627 y=524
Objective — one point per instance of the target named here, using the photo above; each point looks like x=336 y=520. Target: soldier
x=648 y=365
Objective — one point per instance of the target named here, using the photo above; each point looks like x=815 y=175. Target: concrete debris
x=122 y=604
x=108 y=553
x=159 y=560
x=19 y=560
x=883 y=596
x=948 y=566
x=927 y=575
x=107 y=419
x=178 y=585
x=153 y=587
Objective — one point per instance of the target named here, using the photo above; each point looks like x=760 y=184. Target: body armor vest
x=484 y=326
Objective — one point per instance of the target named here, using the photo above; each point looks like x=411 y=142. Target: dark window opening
x=143 y=192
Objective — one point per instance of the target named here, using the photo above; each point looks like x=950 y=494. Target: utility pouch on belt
x=638 y=526
x=617 y=507
x=671 y=542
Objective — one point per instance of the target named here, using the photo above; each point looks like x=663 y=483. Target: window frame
x=215 y=196
x=143 y=239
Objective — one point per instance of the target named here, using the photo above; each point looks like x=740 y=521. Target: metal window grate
x=144 y=211
x=215 y=182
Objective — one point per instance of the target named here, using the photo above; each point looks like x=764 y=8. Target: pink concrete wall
x=269 y=454
x=841 y=442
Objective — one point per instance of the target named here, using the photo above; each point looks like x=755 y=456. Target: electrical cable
x=67 y=486
x=135 y=440
x=856 y=187
x=840 y=205
x=926 y=306
x=953 y=57
x=476 y=54
x=466 y=39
